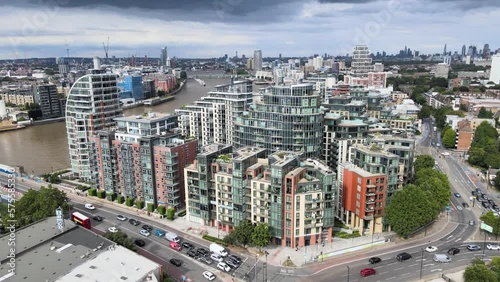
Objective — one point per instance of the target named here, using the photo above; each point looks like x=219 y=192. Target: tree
x=183 y=75
x=436 y=184
x=423 y=161
x=479 y=272
x=483 y=113
x=493 y=221
x=37 y=205
x=409 y=209
x=121 y=239
x=463 y=89
x=171 y=213
x=261 y=235
x=449 y=138
x=242 y=234
x=425 y=112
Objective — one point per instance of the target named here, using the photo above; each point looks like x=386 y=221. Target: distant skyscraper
x=444 y=51
x=486 y=51
x=92 y=105
x=257 y=60
x=163 y=56
x=361 y=61
x=495 y=69
x=464 y=50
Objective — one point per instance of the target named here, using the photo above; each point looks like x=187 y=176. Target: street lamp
x=348 y=272
x=265 y=267
x=422 y=263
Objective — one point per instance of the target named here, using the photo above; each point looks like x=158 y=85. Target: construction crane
x=106 y=48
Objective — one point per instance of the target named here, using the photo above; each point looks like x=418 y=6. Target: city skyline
x=293 y=28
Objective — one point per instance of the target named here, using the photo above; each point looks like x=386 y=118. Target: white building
x=257 y=60
x=3 y=109
x=361 y=61
x=442 y=70
x=378 y=67
x=495 y=69
x=93 y=103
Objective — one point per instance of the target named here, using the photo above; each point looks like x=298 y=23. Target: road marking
x=392 y=263
x=449 y=237
x=384 y=272
x=406 y=274
x=458 y=239
x=413 y=264
x=390 y=278
x=430 y=264
x=439 y=269
x=398 y=268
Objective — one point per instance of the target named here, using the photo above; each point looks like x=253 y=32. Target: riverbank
x=160 y=100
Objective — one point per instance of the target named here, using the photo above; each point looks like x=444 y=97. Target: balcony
x=369 y=210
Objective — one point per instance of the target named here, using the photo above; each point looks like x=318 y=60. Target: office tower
x=495 y=69
x=464 y=50
x=149 y=88
x=92 y=105
x=133 y=83
x=486 y=51
x=361 y=61
x=63 y=66
x=163 y=56
x=257 y=60
x=211 y=119
x=97 y=63
x=405 y=51
x=444 y=51
x=46 y=96
x=283 y=118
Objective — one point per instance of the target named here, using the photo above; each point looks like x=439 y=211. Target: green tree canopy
x=121 y=239
x=483 y=113
x=425 y=112
x=261 y=235
x=449 y=138
x=423 y=161
x=409 y=209
x=242 y=234
x=479 y=272
x=484 y=150
x=436 y=184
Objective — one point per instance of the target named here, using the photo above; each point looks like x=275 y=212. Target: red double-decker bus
x=80 y=219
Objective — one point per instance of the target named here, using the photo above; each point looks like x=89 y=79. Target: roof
x=151 y=117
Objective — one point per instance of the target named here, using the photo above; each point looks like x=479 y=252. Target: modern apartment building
x=149 y=168
x=284 y=118
x=19 y=96
x=212 y=119
x=133 y=83
x=361 y=61
x=149 y=88
x=257 y=60
x=131 y=128
x=92 y=105
x=361 y=198
x=47 y=98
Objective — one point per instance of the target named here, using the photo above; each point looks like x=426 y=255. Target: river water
x=44 y=148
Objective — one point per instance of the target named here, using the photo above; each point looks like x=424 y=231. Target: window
x=308 y=197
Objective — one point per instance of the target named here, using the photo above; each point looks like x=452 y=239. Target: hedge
x=120 y=199
x=215 y=240
x=112 y=197
x=92 y=192
x=171 y=213
x=162 y=210
x=151 y=207
x=129 y=202
x=101 y=194
x=140 y=204
x=182 y=213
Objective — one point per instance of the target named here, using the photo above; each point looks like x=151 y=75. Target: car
x=374 y=260
x=491 y=202
x=473 y=248
x=367 y=272
x=89 y=207
x=175 y=262
x=97 y=218
x=486 y=205
x=159 y=233
x=223 y=266
x=187 y=245
x=474 y=193
x=231 y=263
x=471 y=222
x=113 y=229
x=206 y=260
x=465 y=205
x=493 y=247
x=209 y=275
x=202 y=252
x=192 y=254
x=403 y=256
x=431 y=249
x=121 y=217
x=235 y=258
x=147 y=227
x=144 y=232
x=484 y=196
x=134 y=222
x=494 y=206
x=457 y=195
x=216 y=257
x=453 y=251
x=139 y=242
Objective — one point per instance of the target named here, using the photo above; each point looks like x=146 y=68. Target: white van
x=441 y=258
x=218 y=249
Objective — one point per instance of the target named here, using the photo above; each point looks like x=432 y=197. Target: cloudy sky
x=212 y=28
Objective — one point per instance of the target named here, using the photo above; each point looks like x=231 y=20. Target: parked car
x=216 y=257
x=375 y=260
x=231 y=263
x=453 y=251
x=367 y=272
x=187 y=245
x=209 y=275
x=471 y=222
x=202 y=252
x=223 y=266
x=97 y=218
x=485 y=205
x=139 y=242
x=484 y=196
x=175 y=246
x=465 y=205
x=144 y=232
x=133 y=222
x=495 y=207
x=403 y=256
x=121 y=217
x=176 y=262
x=431 y=249
x=457 y=195
x=159 y=233
x=113 y=229
x=206 y=260
x=147 y=227
x=474 y=193
x=473 y=248
x=491 y=202
x=441 y=258
x=493 y=247
x=89 y=207
x=235 y=258
x=192 y=254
